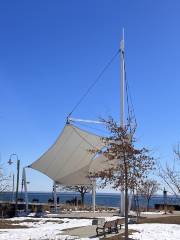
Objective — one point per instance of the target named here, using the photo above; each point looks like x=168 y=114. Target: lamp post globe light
x=17 y=178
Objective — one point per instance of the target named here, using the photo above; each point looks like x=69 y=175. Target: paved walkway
x=87 y=231
x=90 y=231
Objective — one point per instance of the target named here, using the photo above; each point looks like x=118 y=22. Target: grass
x=7 y=224
x=54 y=221
x=165 y=220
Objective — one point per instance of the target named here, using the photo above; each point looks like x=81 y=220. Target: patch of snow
x=148 y=213
x=89 y=238
x=152 y=213
x=155 y=231
x=42 y=229
x=20 y=219
x=112 y=218
x=32 y=214
x=82 y=211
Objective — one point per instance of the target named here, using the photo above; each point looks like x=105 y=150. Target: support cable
x=131 y=111
x=94 y=83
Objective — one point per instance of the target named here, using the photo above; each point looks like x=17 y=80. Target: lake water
x=103 y=199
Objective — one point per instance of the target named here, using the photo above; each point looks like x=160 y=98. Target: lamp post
x=12 y=178
x=13 y=188
x=17 y=179
x=165 y=200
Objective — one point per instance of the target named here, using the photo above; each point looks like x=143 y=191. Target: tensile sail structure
x=68 y=161
x=71 y=159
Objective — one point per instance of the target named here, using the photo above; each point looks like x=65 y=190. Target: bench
x=109 y=227
x=120 y=221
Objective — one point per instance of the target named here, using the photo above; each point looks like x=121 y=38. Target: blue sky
x=51 y=51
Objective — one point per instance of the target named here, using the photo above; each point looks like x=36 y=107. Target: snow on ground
x=148 y=213
x=152 y=213
x=154 y=231
x=51 y=228
x=112 y=218
x=43 y=229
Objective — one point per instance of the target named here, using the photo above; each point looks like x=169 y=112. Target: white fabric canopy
x=101 y=163
x=68 y=161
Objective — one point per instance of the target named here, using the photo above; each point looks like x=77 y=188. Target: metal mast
x=122 y=80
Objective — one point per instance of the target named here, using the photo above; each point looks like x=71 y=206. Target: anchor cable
x=94 y=83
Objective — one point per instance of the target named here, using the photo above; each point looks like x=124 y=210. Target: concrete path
x=87 y=231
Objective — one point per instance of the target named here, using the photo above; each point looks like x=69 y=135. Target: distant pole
x=165 y=200
x=55 y=197
x=25 y=188
x=17 y=186
x=17 y=179
x=13 y=189
x=94 y=195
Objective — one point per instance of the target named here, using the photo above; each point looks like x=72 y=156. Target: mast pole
x=25 y=188
x=122 y=78
x=124 y=190
x=122 y=81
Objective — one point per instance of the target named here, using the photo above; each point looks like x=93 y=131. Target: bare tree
x=147 y=189
x=133 y=164
x=81 y=189
x=170 y=174
x=4 y=181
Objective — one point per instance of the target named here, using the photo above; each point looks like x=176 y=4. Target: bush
x=170 y=209
x=7 y=210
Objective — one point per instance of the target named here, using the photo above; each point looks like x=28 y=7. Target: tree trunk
x=148 y=204
x=126 y=203
x=138 y=208
x=82 y=198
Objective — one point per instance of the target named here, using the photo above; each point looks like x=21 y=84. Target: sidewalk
x=87 y=232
